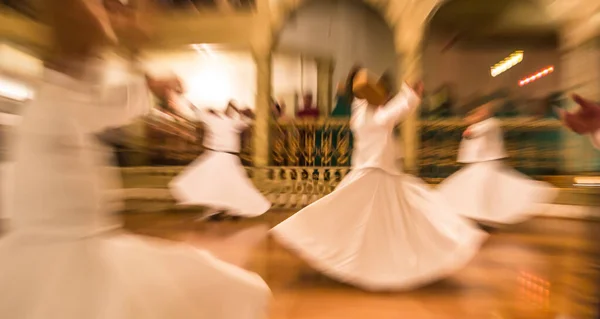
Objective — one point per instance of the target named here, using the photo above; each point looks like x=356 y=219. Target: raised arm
x=398 y=107
x=117 y=106
x=585 y=121
x=181 y=106
x=244 y=120
x=204 y=115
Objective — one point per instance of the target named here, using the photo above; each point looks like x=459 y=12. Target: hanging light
x=510 y=61
x=14 y=91
x=536 y=76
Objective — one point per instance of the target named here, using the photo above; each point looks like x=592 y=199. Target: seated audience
x=309 y=109
x=343 y=105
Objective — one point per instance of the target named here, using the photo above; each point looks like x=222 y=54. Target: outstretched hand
x=247 y=113
x=585 y=120
x=161 y=87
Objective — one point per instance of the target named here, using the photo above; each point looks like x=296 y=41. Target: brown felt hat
x=367 y=86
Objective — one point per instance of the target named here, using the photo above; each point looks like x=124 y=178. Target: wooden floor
x=545 y=268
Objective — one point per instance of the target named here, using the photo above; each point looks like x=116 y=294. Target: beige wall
x=468 y=70
x=347 y=31
x=211 y=78
x=293 y=75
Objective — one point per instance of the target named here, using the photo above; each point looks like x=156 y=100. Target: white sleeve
x=358 y=103
x=398 y=107
x=182 y=107
x=117 y=106
x=203 y=115
x=242 y=122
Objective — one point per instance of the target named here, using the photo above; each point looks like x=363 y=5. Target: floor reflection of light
x=534 y=289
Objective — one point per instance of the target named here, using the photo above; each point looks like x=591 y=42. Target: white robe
x=486 y=189
x=217 y=178
x=486 y=143
x=381 y=229
x=64 y=257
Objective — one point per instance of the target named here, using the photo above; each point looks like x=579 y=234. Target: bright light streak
x=536 y=76
x=15 y=91
x=512 y=60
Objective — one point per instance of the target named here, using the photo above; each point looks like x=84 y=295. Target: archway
x=320 y=42
x=506 y=53
x=464 y=39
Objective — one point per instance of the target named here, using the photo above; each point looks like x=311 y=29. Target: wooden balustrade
x=534 y=145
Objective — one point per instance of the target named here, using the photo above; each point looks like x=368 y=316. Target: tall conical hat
x=367 y=86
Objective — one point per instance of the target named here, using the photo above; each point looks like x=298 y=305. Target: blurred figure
x=182 y=109
x=343 y=104
x=585 y=121
x=380 y=229
x=277 y=108
x=309 y=109
x=486 y=190
x=386 y=82
x=217 y=178
x=64 y=256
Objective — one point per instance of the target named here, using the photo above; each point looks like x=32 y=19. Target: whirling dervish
x=217 y=178
x=487 y=190
x=64 y=256
x=381 y=229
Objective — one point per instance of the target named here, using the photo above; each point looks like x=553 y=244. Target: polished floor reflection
x=545 y=268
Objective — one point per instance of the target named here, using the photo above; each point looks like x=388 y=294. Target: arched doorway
x=476 y=53
x=315 y=49
x=320 y=42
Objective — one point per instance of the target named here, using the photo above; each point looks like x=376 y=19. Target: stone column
x=260 y=137
x=324 y=86
x=409 y=70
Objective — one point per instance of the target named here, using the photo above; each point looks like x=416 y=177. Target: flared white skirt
x=381 y=232
x=219 y=180
x=493 y=192
x=122 y=277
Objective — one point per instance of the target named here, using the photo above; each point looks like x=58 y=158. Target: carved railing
x=285 y=187
x=311 y=143
x=169 y=141
x=296 y=187
x=534 y=146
